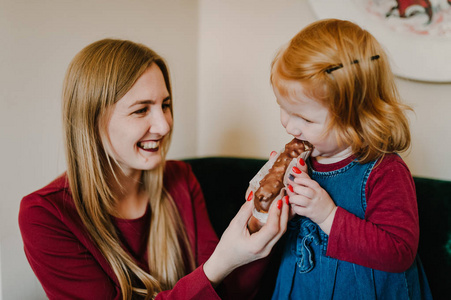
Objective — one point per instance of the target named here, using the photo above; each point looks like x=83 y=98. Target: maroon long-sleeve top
x=387 y=238
x=70 y=266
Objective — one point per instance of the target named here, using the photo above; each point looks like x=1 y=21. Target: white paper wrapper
x=254 y=184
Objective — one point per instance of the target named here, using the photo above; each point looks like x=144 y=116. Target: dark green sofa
x=224 y=181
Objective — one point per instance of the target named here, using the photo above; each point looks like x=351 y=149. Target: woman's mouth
x=150 y=146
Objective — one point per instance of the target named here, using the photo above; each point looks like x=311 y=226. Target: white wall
x=219 y=53
x=1 y=297
x=38 y=40
x=238 y=114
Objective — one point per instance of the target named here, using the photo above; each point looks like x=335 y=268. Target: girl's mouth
x=150 y=146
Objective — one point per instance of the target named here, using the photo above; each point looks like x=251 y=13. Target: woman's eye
x=166 y=106
x=141 y=111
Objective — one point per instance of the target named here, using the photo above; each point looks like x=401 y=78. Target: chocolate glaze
x=272 y=183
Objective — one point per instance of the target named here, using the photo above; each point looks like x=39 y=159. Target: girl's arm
x=387 y=239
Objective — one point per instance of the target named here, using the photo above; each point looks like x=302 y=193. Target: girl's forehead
x=293 y=92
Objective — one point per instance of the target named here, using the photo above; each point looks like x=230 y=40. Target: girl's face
x=307 y=119
x=139 y=122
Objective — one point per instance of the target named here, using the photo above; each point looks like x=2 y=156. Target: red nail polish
x=287 y=199
x=273 y=153
x=296 y=170
x=290 y=188
x=302 y=162
x=279 y=204
x=249 y=197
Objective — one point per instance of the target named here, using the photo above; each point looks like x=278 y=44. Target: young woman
x=122 y=223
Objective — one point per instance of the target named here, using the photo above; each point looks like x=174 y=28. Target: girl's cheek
x=283 y=118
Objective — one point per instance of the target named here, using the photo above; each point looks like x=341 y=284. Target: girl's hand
x=300 y=170
x=238 y=246
x=309 y=199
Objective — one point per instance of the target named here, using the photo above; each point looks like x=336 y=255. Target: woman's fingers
x=272 y=155
x=243 y=215
x=275 y=226
x=249 y=195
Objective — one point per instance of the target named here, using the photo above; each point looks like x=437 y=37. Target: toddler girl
x=355 y=231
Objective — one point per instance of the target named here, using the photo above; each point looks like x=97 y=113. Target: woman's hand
x=309 y=199
x=238 y=246
x=254 y=224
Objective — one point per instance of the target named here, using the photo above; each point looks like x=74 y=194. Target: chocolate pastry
x=273 y=182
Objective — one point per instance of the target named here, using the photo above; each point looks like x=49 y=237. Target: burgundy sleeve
x=387 y=239
x=240 y=284
x=192 y=286
x=60 y=261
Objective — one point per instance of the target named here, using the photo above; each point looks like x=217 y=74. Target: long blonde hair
x=98 y=76
x=346 y=69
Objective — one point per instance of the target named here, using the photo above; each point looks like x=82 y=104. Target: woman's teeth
x=149 y=145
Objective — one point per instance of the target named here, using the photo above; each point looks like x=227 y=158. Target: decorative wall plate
x=415 y=33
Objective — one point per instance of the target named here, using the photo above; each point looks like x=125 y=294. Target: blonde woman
x=123 y=223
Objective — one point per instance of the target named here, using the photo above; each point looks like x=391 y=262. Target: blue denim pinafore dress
x=307 y=273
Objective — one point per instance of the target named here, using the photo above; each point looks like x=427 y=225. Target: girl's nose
x=293 y=127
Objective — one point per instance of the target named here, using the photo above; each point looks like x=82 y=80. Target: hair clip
x=330 y=70
x=355 y=61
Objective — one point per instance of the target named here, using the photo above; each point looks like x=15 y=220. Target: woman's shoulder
x=54 y=198
x=179 y=178
x=174 y=165
x=176 y=169
x=55 y=188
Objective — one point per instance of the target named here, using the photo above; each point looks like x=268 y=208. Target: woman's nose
x=160 y=123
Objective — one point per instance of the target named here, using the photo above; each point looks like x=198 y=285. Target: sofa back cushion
x=224 y=181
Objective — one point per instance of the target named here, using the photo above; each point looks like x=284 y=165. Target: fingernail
x=290 y=188
x=296 y=170
x=302 y=162
x=273 y=153
x=279 y=204
x=291 y=177
x=251 y=194
x=287 y=199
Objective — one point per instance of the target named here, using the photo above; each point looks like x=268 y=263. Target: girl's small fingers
x=299 y=200
x=299 y=210
x=304 y=191
x=301 y=165
x=298 y=171
x=306 y=181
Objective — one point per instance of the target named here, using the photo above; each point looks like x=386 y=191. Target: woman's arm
x=243 y=283
x=60 y=258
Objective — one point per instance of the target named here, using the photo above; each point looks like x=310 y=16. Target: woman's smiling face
x=139 y=122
